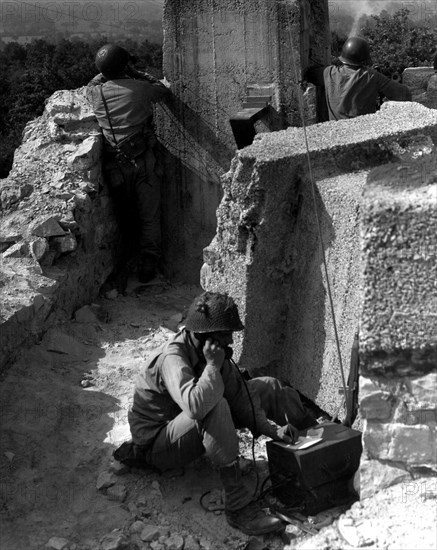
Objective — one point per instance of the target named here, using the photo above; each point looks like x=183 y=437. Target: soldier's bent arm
x=393 y=90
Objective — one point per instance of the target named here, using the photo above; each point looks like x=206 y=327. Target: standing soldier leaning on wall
x=352 y=89
x=122 y=99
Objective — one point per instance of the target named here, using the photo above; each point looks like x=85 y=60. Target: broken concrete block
x=191 y=543
x=17 y=250
x=175 y=542
x=137 y=527
x=91 y=314
x=48 y=259
x=87 y=154
x=423 y=391
x=114 y=541
x=104 y=481
x=133 y=509
x=377 y=405
x=48 y=228
x=9 y=239
x=152 y=532
x=412 y=444
x=117 y=492
x=58 y=543
x=38 y=247
x=66 y=243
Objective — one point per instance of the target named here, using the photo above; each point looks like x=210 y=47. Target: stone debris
x=156 y=488
x=115 y=541
x=58 y=543
x=65 y=244
x=48 y=228
x=137 y=527
x=59 y=342
x=117 y=492
x=153 y=532
x=133 y=509
x=17 y=250
x=174 y=542
x=105 y=480
x=38 y=248
x=91 y=314
x=118 y=469
x=191 y=543
x=51 y=208
x=357 y=534
x=111 y=294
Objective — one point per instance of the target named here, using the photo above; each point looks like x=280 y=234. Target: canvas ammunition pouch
x=128 y=149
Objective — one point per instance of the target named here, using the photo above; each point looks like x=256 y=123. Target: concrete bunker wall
x=398 y=342
x=266 y=251
x=215 y=55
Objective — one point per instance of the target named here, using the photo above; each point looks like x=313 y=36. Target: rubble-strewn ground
x=64 y=410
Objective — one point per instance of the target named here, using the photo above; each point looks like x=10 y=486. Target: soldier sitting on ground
x=190 y=397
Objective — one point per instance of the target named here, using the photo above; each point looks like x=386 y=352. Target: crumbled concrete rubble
x=57 y=225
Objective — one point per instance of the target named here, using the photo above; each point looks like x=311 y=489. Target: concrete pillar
x=216 y=52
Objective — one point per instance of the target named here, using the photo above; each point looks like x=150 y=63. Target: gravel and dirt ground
x=64 y=410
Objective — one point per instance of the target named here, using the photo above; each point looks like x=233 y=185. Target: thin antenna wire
x=313 y=192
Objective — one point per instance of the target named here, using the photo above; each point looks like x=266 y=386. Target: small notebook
x=303 y=442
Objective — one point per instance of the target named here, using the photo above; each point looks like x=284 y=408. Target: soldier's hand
x=287 y=434
x=214 y=353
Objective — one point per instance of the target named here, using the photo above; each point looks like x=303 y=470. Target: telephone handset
x=203 y=337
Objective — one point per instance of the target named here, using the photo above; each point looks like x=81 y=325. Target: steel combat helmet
x=356 y=51
x=111 y=60
x=213 y=312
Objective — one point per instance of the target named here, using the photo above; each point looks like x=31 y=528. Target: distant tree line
x=396 y=41
x=30 y=74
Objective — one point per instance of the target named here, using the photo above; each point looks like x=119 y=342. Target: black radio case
x=318 y=477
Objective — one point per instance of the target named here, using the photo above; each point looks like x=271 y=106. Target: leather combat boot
x=241 y=511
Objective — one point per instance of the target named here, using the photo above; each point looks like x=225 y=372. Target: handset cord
x=232 y=362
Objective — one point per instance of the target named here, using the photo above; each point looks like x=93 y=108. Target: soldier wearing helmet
x=189 y=397
x=122 y=100
x=353 y=88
